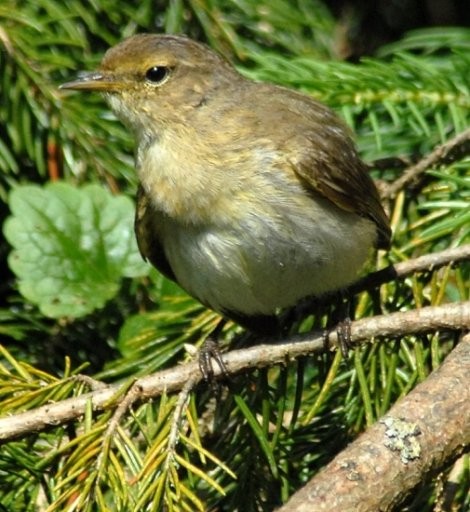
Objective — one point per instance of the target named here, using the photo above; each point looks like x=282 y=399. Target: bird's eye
x=157 y=74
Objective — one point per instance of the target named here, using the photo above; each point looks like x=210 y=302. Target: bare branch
x=422 y=433
x=451 y=316
x=453 y=149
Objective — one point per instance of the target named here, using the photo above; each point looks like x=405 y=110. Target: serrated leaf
x=71 y=246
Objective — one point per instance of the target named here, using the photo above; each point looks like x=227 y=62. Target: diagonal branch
x=451 y=316
x=455 y=148
x=421 y=434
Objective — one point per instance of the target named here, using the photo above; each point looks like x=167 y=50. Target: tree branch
x=455 y=148
x=454 y=316
x=421 y=434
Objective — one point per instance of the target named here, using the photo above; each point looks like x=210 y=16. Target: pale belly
x=256 y=267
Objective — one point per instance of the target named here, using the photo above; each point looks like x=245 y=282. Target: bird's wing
x=146 y=231
x=330 y=166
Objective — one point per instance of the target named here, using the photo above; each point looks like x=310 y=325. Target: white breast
x=257 y=266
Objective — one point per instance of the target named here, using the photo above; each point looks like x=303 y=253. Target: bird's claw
x=211 y=350
x=343 y=334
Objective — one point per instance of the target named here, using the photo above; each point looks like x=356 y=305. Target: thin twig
x=183 y=398
x=454 y=317
x=457 y=147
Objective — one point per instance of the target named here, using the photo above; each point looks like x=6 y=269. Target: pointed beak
x=94 y=81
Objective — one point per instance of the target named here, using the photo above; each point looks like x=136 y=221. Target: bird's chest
x=193 y=183
x=248 y=266
x=267 y=259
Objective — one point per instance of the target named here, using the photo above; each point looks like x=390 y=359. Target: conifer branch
x=453 y=317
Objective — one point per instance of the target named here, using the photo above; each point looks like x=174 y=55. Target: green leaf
x=71 y=246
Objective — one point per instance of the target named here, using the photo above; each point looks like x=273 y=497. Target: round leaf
x=71 y=246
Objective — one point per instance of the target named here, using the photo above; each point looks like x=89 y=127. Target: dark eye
x=157 y=74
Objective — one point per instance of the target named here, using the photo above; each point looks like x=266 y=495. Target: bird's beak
x=94 y=81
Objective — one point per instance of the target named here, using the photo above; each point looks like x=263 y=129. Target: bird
x=252 y=196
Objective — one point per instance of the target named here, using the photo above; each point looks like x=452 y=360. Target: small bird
x=252 y=196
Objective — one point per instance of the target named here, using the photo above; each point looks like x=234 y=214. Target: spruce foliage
x=77 y=299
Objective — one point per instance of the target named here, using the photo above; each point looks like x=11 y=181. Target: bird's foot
x=343 y=332
x=343 y=336
x=211 y=350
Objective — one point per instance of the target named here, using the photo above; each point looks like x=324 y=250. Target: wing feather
x=333 y=169
x=146 y=231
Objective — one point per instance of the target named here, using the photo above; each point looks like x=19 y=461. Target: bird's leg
x=210 y=350
x=342 y=327
x=294 y=316
x=343 y=332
